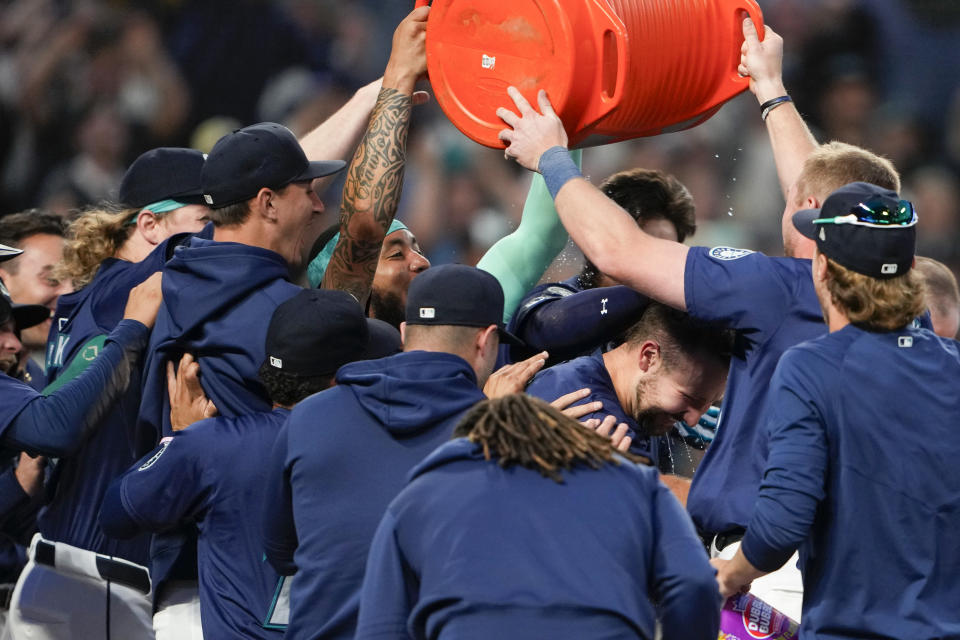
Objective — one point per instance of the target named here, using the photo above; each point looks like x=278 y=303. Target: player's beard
x=387 y=307
x=652 y=421
x=8 y=364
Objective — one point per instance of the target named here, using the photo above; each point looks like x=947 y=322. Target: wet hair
x=518 y=429
x=97 y=234
x=679 y=335
x=873 y=304
x=835 y=164
x=647 y=194
x=287 y=389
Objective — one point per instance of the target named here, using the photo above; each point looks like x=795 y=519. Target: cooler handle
x=744 y=8
x=614 y=56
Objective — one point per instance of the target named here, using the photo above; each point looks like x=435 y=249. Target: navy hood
x=456 y=449
x=205 y=279
x=411 y=391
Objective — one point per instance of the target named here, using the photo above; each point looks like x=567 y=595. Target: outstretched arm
x=57 y=424
x=375 y=177
x=792 y=142
x=518 y=260
x=606 y=234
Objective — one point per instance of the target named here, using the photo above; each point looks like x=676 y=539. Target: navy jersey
x=214 y=474
x=342 y=457
x=772 y=305
x=471 y=550
x=218 y=298
x=862 y=477
x=34 y=375
x=14 y=396
x=56 y=425
x=77 y=484
x=590 y=372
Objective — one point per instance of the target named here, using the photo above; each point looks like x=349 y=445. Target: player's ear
x=265 y=203
x=649 y=357
x=148 y=224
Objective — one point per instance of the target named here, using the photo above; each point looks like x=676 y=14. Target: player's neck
x=618 y=363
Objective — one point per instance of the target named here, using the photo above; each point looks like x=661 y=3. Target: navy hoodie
x=471 y=550
x=218 y=298
x=343 y=455
x=76 y=485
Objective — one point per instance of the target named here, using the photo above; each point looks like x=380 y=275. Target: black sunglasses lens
x=880 y=212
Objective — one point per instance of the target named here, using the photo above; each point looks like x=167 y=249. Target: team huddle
x=249 y=426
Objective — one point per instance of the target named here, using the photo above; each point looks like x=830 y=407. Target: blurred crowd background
x=86 y=86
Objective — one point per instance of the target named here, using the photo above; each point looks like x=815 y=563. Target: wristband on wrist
x=772 y=104
x=557 y=168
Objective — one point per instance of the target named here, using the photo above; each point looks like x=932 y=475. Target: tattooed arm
x=375 y=177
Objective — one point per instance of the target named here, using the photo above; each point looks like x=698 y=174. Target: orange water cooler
x=613 y=69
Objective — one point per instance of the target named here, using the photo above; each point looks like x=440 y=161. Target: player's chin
x=8 y=365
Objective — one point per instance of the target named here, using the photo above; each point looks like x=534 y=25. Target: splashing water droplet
x=716 y=155
x=730 y=211
x=734 y=179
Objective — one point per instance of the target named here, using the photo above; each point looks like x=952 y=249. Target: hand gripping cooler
x=613 y=69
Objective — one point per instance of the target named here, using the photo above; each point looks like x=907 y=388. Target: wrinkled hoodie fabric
x=470 y=550
x=218 y=298
x=343 y=455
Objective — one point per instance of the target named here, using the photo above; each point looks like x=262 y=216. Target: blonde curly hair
x=97 y=234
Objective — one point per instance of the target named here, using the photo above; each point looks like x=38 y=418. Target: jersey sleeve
x=57 y=424
x=737 y=288
x=171 y=484
x=277 y=528
x=794 y=481
x=389 y=587
x=559 y=321
x=14 y=396
x=682 y=578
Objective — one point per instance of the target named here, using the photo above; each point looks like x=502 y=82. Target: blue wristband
x=557 y=168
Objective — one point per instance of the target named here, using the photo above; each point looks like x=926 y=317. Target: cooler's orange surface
x=614 y=69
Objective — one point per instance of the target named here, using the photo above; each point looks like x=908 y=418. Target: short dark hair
x=679 y=333
x=230 y=215
x=17 y=227
x=647 y=194
x=287 y=389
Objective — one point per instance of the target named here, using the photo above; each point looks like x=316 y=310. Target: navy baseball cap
x=165 y=173
x=455 y=294
x=8 y=253
x=317 y=331
x=24 y=315
x=258 y=156
x=865 y=228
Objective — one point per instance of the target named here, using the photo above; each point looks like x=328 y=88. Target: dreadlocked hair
x=518 y=429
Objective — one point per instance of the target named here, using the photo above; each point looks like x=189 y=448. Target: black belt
x=121 y=572
x=724 y=538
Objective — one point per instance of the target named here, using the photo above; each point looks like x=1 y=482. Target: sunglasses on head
x=876 y=213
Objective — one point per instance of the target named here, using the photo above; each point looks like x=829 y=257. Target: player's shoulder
x=818 y=358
